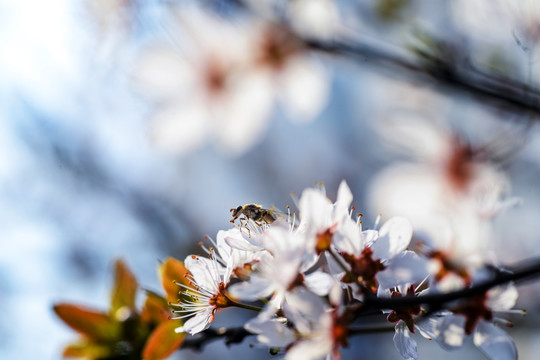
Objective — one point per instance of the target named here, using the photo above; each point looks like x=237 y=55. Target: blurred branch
x=231 y=336
x=442 y=69
x=436 y=301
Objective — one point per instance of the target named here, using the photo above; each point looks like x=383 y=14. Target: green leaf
x=124 y=290
x=163 y=341
x=171 y=271
x=92 y=324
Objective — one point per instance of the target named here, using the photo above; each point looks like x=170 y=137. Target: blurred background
x=84 y=180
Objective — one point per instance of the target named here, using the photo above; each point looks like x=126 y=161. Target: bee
x=255 y=212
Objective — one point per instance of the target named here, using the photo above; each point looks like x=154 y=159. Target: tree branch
x=231 y=336
x=441 y=70
x=436 y=301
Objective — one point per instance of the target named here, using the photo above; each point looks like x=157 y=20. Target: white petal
x=404 y=268
x=451 y=332
x=311 y=349
x=349 y=237
x=198 y=323
x=315 y=208
x=369 y=237
x=404 y=343
x=502 y=297
x=239 y=242
x=255 y=289
x=394 y=237
x=302 y=303
x=179 y=129
x=224 y=250
x=304 y=89
x=271 y=332
x=428 y=328
x=344 y=196
x=314 y=18
x=163 y=74
x=494 y=342
x=319 y=282
x=422 y=137
x=205 y=272
x=241 y=116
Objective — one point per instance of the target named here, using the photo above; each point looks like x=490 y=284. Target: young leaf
x=172 y=270
x=155 y=309
x=163 y=341
x=124 y=288
x=90 y=323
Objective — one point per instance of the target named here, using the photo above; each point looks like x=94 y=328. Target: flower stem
x=338 y=260
x=245 y=306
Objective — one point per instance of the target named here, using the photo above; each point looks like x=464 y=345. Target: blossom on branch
x=219 y=80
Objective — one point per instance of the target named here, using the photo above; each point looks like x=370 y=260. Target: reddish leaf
x=90 y=323
x=163 y=341
x=155 y=309
x=171 y=271
x=124 y=289
x=87 y=350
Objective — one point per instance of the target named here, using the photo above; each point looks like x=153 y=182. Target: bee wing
x=277 y=214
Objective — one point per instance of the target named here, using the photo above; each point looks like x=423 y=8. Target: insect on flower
x=254 y=212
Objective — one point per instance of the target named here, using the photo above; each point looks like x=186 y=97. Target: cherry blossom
x=206 y=295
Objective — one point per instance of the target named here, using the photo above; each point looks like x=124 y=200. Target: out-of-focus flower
x=200 y=88
x=110 y=15
x=221 y=81
x=114 y=20
x=317 y=19
x=476 y=317
x=123 y=331
x=293 y=77
x=448 y=192
x=499 y=20
x=314 y=18
x=525 y=20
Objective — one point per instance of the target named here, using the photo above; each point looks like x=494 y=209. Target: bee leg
x=243 y=224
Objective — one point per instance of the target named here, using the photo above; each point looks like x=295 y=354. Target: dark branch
x=442 y=70
x=436 y=301
x=231 y=336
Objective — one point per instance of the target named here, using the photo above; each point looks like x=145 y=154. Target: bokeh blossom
x=222 y=83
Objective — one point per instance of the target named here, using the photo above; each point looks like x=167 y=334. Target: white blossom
x=204 y=296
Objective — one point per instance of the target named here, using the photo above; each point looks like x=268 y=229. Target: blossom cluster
x=312 y=276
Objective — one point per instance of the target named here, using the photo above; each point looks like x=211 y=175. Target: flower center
x=220 y=300
x=407 y=313
x=447 y=267
x=363 y=269
x=459 y=168
x=474 y=309
x=277 y=46
x=324 y=239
